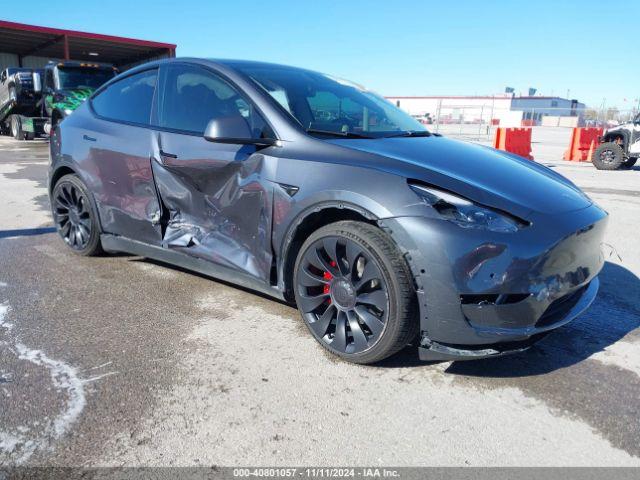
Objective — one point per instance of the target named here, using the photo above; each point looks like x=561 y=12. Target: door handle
x=88 y=138
x=168 y=155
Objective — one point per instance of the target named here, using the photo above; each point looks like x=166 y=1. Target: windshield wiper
x=412 y=133
x=337 y=134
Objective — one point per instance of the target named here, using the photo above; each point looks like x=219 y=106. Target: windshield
x=329 y=106
x=76 y=77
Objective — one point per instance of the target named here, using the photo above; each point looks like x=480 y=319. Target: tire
x=75 y=216
x=16 y=127
x=608 y=156
x=629 y=163
x=354 y=291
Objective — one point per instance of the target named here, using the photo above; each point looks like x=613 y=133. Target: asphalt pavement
x=118 y=360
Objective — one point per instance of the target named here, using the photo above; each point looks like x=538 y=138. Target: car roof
x=232 y=64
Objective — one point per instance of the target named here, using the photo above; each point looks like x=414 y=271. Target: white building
x=506 y=110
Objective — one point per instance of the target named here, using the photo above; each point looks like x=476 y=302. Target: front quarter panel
x=373 y=193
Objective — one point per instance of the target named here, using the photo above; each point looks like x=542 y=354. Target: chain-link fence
x=478 y=121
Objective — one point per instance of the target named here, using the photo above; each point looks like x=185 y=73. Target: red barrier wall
x=514 y=140
x=583 y=143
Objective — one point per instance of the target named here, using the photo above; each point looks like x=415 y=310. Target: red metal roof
x=24 y=40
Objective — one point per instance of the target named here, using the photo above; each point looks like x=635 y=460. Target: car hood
x=487 y=176
x=70 y=99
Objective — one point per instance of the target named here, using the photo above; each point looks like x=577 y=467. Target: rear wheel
x=75 y=216
x=354 y=291
x=608 y=156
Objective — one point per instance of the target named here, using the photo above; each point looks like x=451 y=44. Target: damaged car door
x=115 y=150
x=215 y=202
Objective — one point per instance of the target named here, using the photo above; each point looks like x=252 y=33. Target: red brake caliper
x=327 y=276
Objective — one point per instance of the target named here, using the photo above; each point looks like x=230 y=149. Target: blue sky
x=394 y=47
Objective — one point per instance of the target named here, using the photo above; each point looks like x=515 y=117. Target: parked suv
x=317 y=191
x=619 y=147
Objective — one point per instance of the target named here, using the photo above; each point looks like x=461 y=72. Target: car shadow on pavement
x=207 y=277
x=26 y=232
x=614 y=314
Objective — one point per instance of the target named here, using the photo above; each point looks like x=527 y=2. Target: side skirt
x=116 y=243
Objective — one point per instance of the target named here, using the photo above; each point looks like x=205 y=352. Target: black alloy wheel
x=347 y=295
x=74 y=216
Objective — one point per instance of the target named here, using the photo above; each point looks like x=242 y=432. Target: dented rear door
x=115 y=149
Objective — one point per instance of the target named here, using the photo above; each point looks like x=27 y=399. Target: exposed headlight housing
x=465 y=213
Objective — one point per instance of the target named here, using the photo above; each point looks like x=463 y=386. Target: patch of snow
x=65 y=380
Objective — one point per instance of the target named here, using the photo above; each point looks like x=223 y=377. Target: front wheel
x=608 y=156
x=75 y=216
x=354 y=291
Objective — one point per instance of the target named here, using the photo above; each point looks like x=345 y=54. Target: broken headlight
x=465 y=213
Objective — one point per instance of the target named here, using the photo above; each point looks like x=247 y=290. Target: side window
x=129 y=99
x=194 y=96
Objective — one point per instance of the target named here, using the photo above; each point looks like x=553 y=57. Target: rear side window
x=193 y=96
x=128 y=100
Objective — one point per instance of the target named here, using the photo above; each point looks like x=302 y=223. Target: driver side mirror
x=233 y=130
x=37 y=82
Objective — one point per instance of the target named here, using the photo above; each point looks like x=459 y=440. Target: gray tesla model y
x=314 y=190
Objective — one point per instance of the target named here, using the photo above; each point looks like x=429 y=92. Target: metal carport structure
x=32 y=46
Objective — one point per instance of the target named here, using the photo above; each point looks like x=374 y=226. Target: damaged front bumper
x=484 y=294
x=584 y=296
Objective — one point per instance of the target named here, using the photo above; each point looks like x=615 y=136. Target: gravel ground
x=122 y=361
